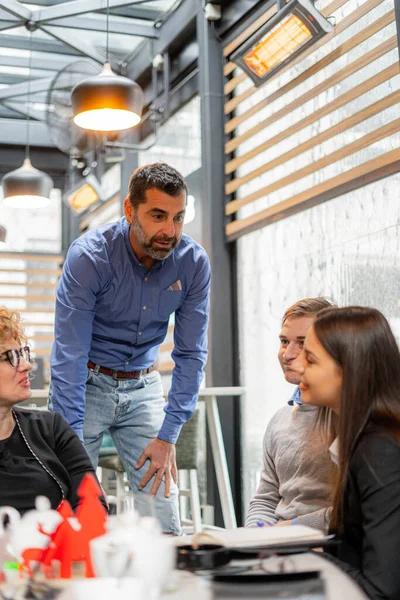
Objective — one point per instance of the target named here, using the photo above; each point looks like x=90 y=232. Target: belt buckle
x=115 y=375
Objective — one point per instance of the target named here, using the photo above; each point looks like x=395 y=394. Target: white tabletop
x=39 y=394
x=221 y=391
x=339 y=585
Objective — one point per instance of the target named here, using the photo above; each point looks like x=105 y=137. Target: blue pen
x=263 y=524
x=260 y=524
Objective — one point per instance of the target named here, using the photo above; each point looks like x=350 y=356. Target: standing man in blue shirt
x=119 y=286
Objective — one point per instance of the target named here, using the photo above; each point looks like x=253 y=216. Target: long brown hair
x=362 y=344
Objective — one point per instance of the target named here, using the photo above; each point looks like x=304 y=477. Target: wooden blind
x=27 y=284
x=327 y=123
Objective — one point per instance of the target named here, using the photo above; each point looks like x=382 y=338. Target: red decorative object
x=69 y=543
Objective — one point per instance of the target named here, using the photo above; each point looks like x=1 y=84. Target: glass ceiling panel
x=50 y=55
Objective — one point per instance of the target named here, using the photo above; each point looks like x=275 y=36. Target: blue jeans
x=132 y=410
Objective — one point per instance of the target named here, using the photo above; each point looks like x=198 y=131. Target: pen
x=262 y=524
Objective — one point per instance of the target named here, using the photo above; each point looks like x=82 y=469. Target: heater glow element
x=275 y=47
x=295 y=27
x=82 y=198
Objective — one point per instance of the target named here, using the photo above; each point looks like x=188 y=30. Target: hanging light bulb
x=27 y=187
x=3 y=236
x=107 y=102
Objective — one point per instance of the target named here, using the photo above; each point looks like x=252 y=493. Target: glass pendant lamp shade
x=26 y=187
x=107 y=102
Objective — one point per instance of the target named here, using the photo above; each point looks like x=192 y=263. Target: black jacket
x=54 y=444
x=370 y=549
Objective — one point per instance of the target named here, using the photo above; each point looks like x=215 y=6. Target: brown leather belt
x=120 y=374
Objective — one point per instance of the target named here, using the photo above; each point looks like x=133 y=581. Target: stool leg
x=182 y=484
x=120 y=486
x=195 y=500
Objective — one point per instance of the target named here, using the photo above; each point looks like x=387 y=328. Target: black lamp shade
x=24 y=183
x=107 y=102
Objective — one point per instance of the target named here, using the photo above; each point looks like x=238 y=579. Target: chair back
x=188 y=443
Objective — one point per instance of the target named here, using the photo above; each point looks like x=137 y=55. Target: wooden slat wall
x=319 y=125
x=27 y=284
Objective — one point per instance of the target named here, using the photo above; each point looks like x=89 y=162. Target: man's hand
x=162 y=462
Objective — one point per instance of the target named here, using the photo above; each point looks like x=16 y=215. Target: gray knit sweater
x=295 y=476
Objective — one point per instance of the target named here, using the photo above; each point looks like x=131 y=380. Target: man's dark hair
x=156 y=175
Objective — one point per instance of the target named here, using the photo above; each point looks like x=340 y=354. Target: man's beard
x=147 y=243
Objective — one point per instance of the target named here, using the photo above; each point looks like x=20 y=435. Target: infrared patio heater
x=296 y=26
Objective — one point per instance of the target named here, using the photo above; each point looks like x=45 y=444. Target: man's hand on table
x=162 y=463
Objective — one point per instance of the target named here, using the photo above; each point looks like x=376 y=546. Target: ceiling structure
x=59 y=33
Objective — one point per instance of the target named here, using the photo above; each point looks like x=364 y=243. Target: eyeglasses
x=14 y=356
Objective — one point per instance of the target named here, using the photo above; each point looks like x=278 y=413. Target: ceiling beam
x=17 y=9
x=137 y=12
x=22 y=109
x=74 y=8
x=4 y=25
x=18 y=100
x=13 y=133
x=50 y=64
x=76 y=42
x=15 y=78
x=139 y=61
x=38 y=45
x=99 y=24
x=6 y=113
x=7 y=16
x=21 y=89
x=134 y=12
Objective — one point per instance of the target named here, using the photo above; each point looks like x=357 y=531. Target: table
x=338 y=585
x=38 y=399
x=209 y=396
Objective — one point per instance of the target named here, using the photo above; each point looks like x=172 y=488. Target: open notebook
x=256 y=537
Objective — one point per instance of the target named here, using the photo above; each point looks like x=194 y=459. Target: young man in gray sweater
x=294 y=485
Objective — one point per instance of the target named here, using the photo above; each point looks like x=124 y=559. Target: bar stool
x=186 y=460
x=109 y=459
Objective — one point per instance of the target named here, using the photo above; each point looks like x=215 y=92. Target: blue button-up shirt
x=296 y=398
x=110 y=310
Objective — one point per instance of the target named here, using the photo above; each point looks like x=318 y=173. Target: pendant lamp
x=107 y=102
x=27 y=187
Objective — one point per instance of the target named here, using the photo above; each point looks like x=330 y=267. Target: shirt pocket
x=169 y=302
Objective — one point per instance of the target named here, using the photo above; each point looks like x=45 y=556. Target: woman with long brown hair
x=351 y=365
